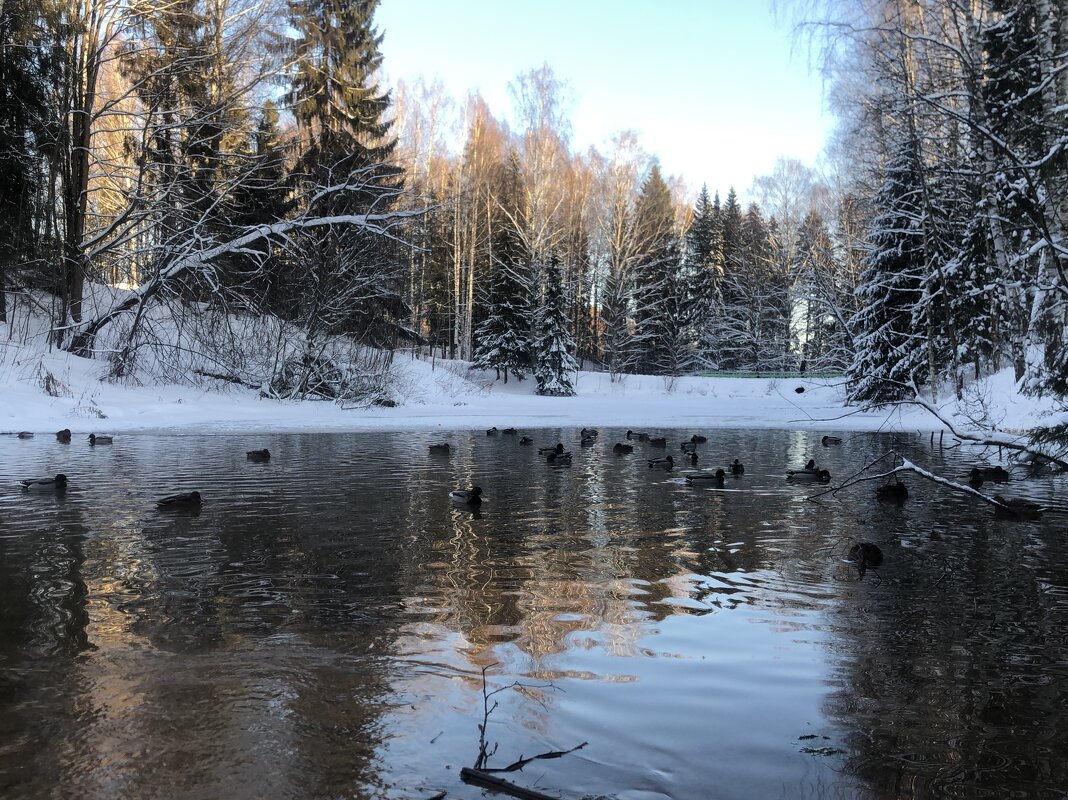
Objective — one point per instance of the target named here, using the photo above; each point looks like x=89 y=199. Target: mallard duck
x=441 y=448
x=641 y=437
x=174 y=501
x=510 y=432
x=809 y=475
x=94 y=439
x=492 y=431
x=558 y=455
x=25 y=435
x=698 y=439
x=662 y=463
x=866 y=554
x=258 y=455
x=657 y=441
x=690 y=456
x=56 y=484
x=546 y=450
x=471 y=497
x=737 y=468
x=894 y=492
x=1016 y=509
x=588 y=441
x=526 y=440
x=995 y=474
x=589 y=432
x=716 y=478
x=827 y=441
x=63 y=435
x=620 y=447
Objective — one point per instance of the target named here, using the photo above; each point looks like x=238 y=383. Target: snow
x=451 y=395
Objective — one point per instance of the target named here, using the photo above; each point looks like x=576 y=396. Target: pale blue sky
x=712 y=86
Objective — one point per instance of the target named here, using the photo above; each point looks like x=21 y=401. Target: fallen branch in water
x=481 y=778
x=480 y=774
x=522 y=762
x=908 y=466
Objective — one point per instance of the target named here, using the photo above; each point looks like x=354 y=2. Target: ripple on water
x=321 y=627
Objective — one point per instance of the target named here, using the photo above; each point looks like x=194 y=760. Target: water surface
x=320 y=629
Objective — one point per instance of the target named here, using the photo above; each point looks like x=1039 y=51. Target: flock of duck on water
x=557 y=455
x=58 y=483
x=894 y=491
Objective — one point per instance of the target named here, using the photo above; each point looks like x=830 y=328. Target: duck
x=588 y=441
x=996 y=474
x=471 y=497
x=975 y=479
x=894 y=492
x=510 y=432
x=662 y=463
x=717 y=478
x=25 y=435
x=492 y=431
x=1016 y=509
x=258 y=455
x=558 y=455
x=641 y=437
x=688 y=447
x=56 y=484
x=63 y=435
x=441 y=448
x=657 y=441
x=546 y=450
x=813 y=475
x=526 y=440
x=737 y=468
x=690 y=456
x=175 y=501
x=698 y=439
x=622 y=448
x=827 y=441
x=94 y=439
x=589 y=432
x=866 y=554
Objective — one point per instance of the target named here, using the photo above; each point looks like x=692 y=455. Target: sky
x=716 y=89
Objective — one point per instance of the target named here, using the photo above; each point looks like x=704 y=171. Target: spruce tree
x=554 y=345
x=704 y=265
x=21 y=106
x=502 y=340
x=890 y=355
x=338 y=106
x=655 y=217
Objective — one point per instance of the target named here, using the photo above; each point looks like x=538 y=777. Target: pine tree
x=554 y=345
x=889 y=352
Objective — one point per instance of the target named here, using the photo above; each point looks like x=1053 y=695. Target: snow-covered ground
x=448 y=395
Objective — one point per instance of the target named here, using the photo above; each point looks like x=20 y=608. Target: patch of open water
x=320 y=628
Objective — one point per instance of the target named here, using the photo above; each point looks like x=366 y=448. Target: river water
x=325 y=626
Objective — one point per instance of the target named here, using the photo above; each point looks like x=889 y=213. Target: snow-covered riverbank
x=449 y=396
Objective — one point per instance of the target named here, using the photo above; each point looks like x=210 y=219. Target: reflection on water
x=320 y=627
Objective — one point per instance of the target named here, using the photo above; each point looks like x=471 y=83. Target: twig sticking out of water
x=480 y=774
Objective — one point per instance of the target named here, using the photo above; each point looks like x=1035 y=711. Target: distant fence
x=724 y=373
